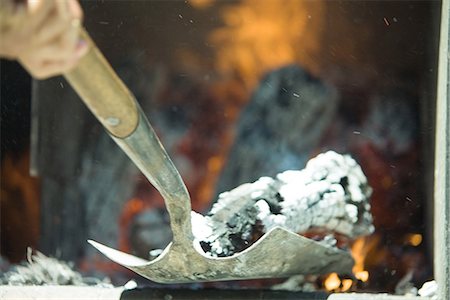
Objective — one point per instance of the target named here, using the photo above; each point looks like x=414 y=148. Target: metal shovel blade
x=279 y=253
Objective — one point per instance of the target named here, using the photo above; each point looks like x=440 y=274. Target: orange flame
x=360 y=251
x=201 y=4
x=360 y=248
x=262 y=35
x=332 y=282
x=346 y=284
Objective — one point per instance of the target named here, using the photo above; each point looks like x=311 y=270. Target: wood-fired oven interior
x=236 y=90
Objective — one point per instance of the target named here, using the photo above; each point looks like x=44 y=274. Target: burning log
x=288 y=103
x=330 y=196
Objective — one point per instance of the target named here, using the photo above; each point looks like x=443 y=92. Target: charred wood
x=331 y=195
x=280 y=127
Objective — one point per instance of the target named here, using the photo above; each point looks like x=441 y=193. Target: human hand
x=43 y=35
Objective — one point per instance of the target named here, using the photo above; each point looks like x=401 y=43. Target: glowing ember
x=363 y=276
x=346 y=284
x=414 y=239
x=332 y=282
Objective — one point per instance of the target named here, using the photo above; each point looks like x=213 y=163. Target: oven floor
x=99 y=293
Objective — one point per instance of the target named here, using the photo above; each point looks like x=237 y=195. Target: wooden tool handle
x=115 y=107
x=104 y=92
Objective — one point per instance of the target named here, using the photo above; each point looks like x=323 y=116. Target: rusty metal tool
x=278 y=253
